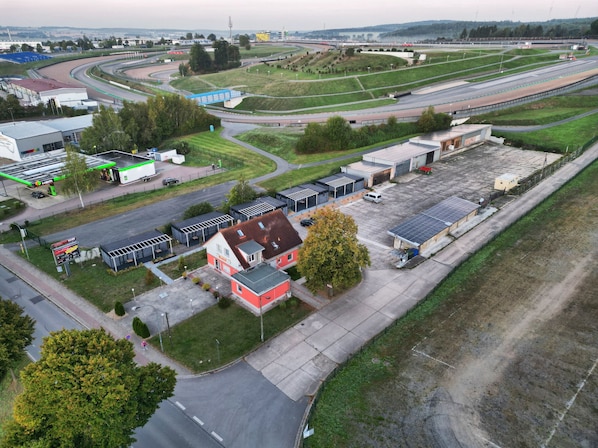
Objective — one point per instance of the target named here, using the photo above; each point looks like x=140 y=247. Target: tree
x=240 y=193
x=245 y=42
x=86 y=391
x=16 y=333
x=106 y=133
x=78 y=177
x=429 y=121
x=594 y=28
x=198 y=209
x=339 y=132
x=199 y=59
x=331 y=253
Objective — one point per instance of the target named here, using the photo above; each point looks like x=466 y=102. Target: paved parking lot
x=468 y=174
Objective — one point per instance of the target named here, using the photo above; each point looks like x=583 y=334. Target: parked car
x=307 y=222
x=170 y=181
x=38 y=194
x=372 y=196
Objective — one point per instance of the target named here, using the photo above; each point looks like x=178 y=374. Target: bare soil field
x=509 y=357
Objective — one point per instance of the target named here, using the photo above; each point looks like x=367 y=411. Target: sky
x=277 y=15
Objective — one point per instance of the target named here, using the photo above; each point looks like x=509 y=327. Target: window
x=226 y=252
x=240 y=233
x=261 y=224
x=250 y=257
x=239 y=289
x=289 y=257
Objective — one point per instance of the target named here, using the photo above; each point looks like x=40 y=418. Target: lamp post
x=369 y=69
x=191 y=303
x=218 y=349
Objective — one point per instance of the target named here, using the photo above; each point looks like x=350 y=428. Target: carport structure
x=199 y=229
x=137 y=249
x=426 y=228
x=342 y=184
x=259 y=207
x=303 y=197
x=46 y=168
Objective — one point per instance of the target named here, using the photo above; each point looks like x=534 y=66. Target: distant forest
x=449 y=30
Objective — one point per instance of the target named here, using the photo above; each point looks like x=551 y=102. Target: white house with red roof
x=253 y=254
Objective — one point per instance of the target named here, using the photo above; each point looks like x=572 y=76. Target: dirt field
x=509 y=360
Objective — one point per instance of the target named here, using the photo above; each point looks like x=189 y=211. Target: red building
x=256 y=250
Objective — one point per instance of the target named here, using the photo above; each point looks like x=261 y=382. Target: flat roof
x=26 y=129
x=46 y=167
x=398 y=153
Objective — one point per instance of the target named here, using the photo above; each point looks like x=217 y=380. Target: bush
x=196 y=280
x=216 y=294
x=206 y=286
x=140 y=328
x=119 y=309
x=150 y=278
x=282 y=305
x=225 y=302
x=182 y=263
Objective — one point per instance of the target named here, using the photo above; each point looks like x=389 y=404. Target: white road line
x=216 y=436
x=569 y=404
x=197 y=420
x=432 y=358
x=180 y=405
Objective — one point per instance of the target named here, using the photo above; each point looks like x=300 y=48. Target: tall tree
x=239 y=194
x=199 y=59
x=106 y=133
x=339 y=132
x=331 y=253
x=86 y=391
x=16 y=333
x=78 y=177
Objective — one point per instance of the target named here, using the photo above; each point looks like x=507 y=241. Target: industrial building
x=388 y=163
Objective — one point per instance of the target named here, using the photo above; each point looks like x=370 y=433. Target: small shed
x=259 y=207
x=136 y=250
x=127 y=167
x=506 y=181
x=342 y=184
x=303 y=196
x=260 y=287
x=199 y=229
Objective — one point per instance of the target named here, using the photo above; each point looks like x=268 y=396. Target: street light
x=218 y=349
x=191 y=302
x=261 y=322
x=369 y=69
x=133 y=291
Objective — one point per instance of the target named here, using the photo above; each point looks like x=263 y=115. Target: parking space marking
x=216 y=436
x=180 y=405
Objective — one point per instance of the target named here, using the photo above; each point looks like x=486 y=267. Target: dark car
x=170 y=181
x=38 y=194
x=307 y=222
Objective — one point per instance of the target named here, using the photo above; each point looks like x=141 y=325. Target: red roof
x=42 y=85
x=272 y=231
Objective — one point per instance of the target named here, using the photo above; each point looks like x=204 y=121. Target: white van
x=372 y=196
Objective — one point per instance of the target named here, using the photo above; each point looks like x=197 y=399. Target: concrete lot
x=468 y=174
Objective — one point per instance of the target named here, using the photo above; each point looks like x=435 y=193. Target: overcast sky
x=275 y=15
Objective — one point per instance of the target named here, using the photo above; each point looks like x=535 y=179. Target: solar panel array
x=424 y=226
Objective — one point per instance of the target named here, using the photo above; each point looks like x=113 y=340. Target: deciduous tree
x=78 y=177
x=331 y=253
x=86 y=391
x=240 y=193
x=16 y=333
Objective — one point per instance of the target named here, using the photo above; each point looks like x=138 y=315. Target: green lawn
x=94 y=280
x=194 y=342
x=175 y=268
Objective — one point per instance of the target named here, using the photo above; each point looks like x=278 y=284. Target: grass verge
x=218 y=336
x=342 y=409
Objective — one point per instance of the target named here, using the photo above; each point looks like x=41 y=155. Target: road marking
x=180 y=405
x=569 y=404
x=432 y=358
x=197 y=420
x=216 y=436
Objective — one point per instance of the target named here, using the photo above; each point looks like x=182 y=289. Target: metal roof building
x=135 y=250
x=425 y=229
x=200 y=228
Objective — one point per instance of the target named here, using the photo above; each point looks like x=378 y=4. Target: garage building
x=426 y=228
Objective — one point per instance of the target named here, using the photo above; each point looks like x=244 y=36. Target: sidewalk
x=80 y=310
x=299 y=360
